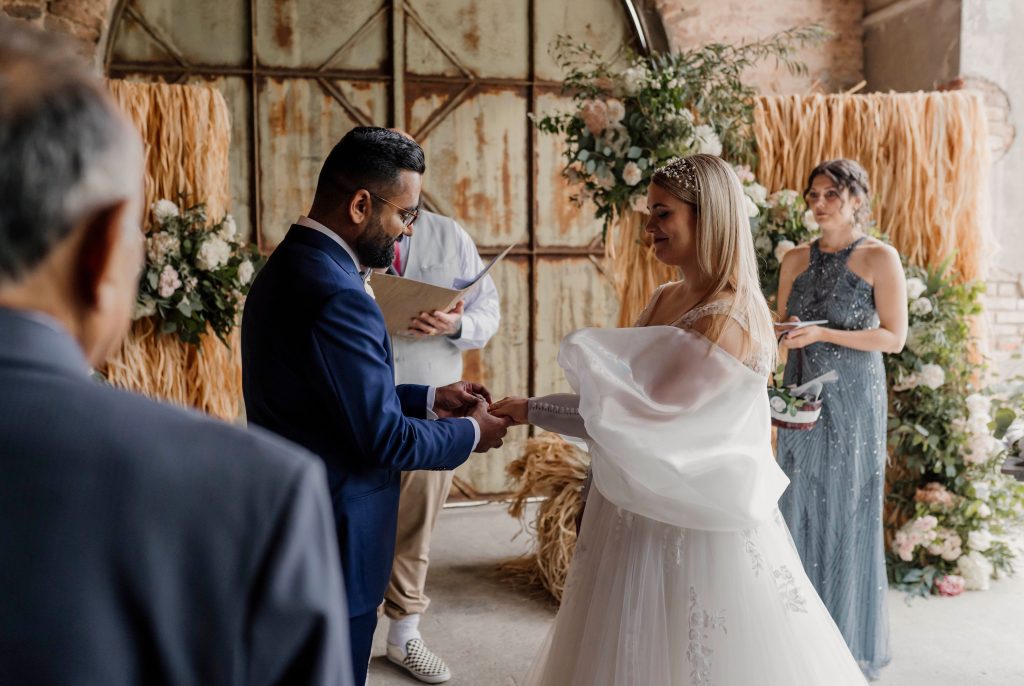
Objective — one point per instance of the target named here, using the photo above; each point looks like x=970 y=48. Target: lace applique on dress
x=758 y=360
x=702 y=623
x=786 y=585
x=756 y=559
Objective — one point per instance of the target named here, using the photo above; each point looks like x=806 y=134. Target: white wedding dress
x=684 y=573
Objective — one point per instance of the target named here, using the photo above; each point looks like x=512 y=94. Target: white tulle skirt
x=649 y=604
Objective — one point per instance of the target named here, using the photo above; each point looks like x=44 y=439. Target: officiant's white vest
x=432 y=256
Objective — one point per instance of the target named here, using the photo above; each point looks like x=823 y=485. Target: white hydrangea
x=164 y=209
x=783 y=247
x=632 y=174
x=757 y=193
x=921 y=307
x=228 y=228
x=161 y=246
x=976 y=570
x=932 y=376
x=213 y=253
x=981 y=448
x=809 y=221
x=707 y=140
x=915 y=288
x=245 y=272
x=980 y=540
x=984 y=511
x=982 y=489
x=633 y=80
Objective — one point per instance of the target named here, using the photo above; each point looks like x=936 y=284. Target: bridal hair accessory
x=682 y=171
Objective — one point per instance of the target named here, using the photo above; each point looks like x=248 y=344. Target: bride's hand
x=516 y=409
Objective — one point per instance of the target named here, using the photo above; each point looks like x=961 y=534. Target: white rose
x=639 y=204
x=632 y=174
x=146 y=308
x=976 y=571
x=921 y=307
x=984 y=511
x=980 y=540
x=783 y=247
x=245 y=272
x=707 y=140
x=915 y=288
x=213 y=253
x=164 y=209
x=981 y=448
x=751 y=207
x=978 y=404
x=616 y=111
x=763 y=244
x=785 y=197
x=932 y=376
x=757 y=193
x=810 y=223
x=982 y=489
x=633 y=80
x=228 y=228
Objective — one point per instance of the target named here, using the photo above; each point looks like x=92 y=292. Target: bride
x=685 y=572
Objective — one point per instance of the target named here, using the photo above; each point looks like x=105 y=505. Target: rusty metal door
x=462 y=77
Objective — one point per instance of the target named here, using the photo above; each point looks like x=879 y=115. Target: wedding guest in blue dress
x=833 y=505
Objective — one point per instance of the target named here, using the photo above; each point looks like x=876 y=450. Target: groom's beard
x=374 y=247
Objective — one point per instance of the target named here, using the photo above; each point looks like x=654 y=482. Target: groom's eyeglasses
x=407 y=216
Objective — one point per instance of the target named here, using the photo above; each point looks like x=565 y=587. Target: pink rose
x=950 y=585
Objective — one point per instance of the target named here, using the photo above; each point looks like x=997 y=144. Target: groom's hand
x=459 y=399
x=492 y=429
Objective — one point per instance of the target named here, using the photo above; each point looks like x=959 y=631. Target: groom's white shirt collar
x=317 y=226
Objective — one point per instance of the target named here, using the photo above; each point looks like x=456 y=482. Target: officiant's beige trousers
x=422 y=496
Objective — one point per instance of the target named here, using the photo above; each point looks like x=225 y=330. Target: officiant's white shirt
x=431 y=390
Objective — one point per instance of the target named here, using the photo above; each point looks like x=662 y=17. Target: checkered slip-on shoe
x=420 y=662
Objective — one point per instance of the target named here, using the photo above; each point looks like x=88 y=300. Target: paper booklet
x=401 y=300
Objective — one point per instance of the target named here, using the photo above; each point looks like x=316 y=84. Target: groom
x=317 y=365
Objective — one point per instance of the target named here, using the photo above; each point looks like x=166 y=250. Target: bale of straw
x=186 y=132
x=551 y=468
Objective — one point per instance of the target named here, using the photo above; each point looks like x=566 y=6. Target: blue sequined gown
x=833 y=505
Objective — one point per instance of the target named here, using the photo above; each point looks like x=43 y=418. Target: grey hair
x=65 y=151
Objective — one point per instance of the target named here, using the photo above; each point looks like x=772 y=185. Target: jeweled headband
x=683 y=172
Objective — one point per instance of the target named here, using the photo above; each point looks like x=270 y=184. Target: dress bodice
x=759 y=358
x=829 y=290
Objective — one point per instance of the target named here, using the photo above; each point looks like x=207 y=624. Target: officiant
x=438 y=252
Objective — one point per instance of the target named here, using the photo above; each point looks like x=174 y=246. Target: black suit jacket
x=144 y=544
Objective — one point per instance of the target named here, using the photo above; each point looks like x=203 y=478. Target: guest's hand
x=803 y=337
x=459 y=399
x=438 y=323
x=492 y=429
x=516 y=409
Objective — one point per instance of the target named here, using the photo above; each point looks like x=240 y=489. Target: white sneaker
x=420 y=662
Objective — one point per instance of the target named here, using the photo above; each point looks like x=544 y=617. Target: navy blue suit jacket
x=317 y=369
x=144 y=544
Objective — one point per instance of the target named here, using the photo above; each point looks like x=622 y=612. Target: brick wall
x=838 y=65
x=83 y=21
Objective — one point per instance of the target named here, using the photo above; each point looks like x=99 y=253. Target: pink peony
x=595 y=116
x=950 y=585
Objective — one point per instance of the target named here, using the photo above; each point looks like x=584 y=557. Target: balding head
x=70 y=177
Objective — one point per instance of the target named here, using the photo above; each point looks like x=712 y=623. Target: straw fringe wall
x=926 y=155
x=186 y=131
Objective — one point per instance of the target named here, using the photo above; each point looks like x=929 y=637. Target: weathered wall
x=83 y=20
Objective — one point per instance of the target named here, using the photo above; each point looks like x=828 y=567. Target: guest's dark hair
x=846 y=175
x=369 y=157
x=62 y=147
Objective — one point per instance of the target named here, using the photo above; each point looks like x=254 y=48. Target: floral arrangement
x=632 y=113
x=950 y=490
x=197 y=274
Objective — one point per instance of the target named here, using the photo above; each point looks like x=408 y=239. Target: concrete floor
x=488 y=632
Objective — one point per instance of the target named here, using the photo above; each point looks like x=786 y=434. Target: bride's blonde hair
x=725 y=245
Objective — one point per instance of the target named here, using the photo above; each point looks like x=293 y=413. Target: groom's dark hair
x=369 y=157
